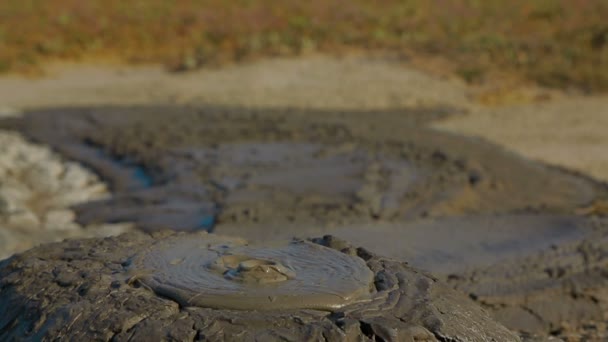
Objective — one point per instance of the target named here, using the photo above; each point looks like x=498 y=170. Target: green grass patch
x=558 y=43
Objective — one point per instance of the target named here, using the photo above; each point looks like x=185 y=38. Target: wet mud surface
x=222 y=273
x=502 y=229
x=93 y=290
x=444 y=245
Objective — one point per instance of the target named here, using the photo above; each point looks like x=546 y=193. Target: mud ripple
x=219 y=272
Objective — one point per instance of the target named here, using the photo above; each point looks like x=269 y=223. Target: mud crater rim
x=227 y=273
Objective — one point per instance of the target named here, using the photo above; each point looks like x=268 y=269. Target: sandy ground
x=562 y=130
x=569 y=131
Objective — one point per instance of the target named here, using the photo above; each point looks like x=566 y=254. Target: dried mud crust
x=296 y=166
x=83 y=290
x=562 y=291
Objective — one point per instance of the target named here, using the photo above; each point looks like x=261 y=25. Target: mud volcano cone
x=225 y=273
x=171 y=286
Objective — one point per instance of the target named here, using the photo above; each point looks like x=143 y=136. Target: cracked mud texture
x=88 y=290
x=295 y=166
x=562 y=290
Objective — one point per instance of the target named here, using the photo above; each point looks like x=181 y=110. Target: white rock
x=75 y=176
x=102 y=230
x=7 y=242
x=7 y=206
x=39 y=179
x=23 y=218
x=59 y=219
x=29 y=171
x=14 y=193
x=96 y=191
x=65 y=199
x=53 y=169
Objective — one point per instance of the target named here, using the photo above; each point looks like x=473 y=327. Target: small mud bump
x=251 y=270
x=443 y=202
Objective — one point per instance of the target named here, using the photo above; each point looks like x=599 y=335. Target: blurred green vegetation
x=557 y=43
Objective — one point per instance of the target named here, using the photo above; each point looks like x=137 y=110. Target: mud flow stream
x=445 y=203
x=281 y=173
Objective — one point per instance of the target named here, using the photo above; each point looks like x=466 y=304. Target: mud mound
x=231 y=165
x=91 y=289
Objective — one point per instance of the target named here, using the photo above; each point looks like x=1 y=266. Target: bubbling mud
x=225 y=273
x=251 y=270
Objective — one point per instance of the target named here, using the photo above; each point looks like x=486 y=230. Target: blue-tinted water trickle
x=207 y=223
x=141 y=175
x=137 y=173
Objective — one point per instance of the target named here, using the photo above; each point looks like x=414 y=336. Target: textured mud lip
x=226 y=273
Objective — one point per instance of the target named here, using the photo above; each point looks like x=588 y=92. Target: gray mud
x=562 y=290
x=93 y=290
x=477 y=216
x=446 y=245
x=537 y=274
x=226 y=273
x=292 y=166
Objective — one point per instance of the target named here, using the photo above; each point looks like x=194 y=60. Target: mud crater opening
x=251 y=270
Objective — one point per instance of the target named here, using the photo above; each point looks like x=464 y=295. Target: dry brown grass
x=559 y=43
